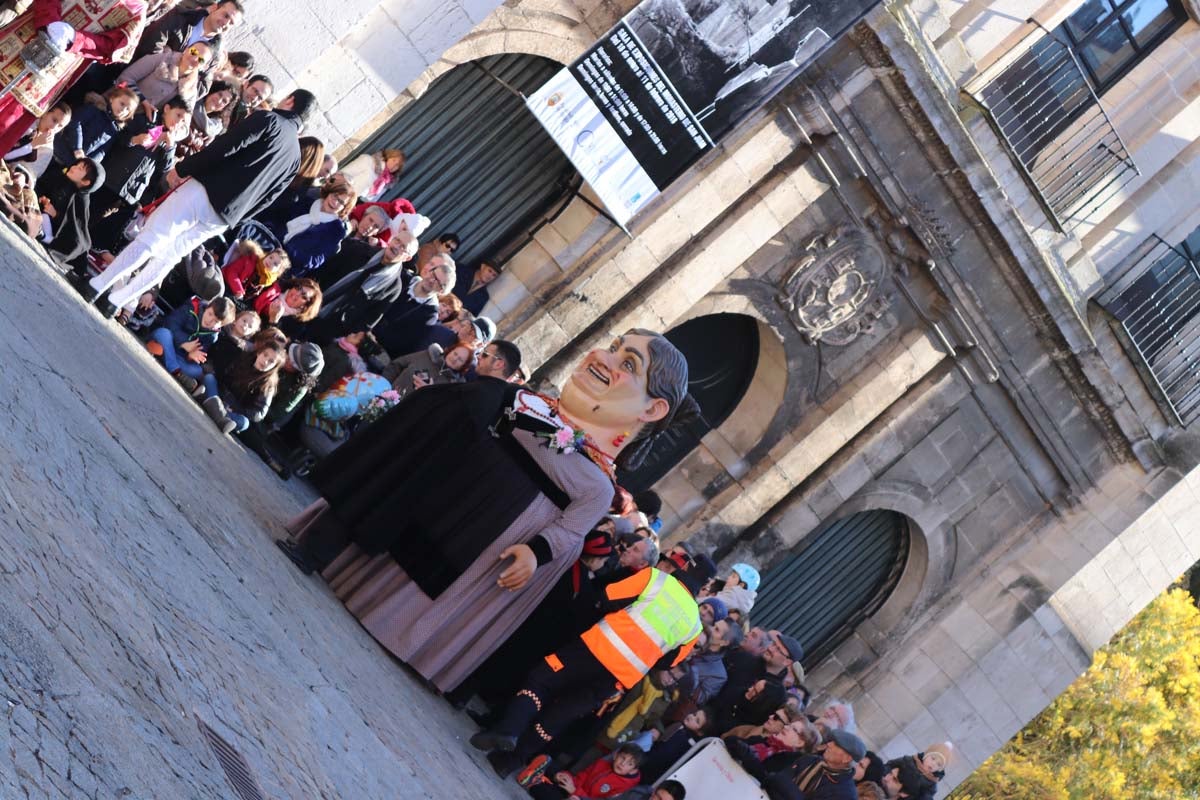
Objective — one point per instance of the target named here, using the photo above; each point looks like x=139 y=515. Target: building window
x=1159 y=311
x=1110 y=37
x=1045 y=106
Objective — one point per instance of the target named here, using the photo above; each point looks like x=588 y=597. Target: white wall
x=356 y=55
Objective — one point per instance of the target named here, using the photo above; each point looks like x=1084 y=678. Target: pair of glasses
x=196 y=54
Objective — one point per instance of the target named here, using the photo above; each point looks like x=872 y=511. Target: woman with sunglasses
x=297 y=300
x=160 y=76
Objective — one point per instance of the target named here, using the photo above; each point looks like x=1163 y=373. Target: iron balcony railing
x=1160 y=312
x=1045 y=110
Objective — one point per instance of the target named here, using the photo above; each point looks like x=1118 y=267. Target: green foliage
x=1128 y=728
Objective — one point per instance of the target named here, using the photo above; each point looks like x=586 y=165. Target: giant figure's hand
x=518 y=573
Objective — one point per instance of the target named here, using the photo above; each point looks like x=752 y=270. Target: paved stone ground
x=140 y=591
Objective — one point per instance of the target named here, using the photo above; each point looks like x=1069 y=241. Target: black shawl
x=72 y=207
x=430 y=484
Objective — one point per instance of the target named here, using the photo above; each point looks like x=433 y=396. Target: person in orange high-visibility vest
x=652 y=622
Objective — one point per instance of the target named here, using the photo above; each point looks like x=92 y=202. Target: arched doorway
x=837 y=577
x=479 y=164
x=722 y=354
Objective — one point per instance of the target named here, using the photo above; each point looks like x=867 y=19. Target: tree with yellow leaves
x=1128 y=728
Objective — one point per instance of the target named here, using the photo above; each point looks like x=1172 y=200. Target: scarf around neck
x=314 y=216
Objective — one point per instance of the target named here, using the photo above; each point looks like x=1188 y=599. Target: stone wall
x=979 y=405
x=356 y=55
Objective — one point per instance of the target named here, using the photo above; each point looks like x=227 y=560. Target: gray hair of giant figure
x=667 y=378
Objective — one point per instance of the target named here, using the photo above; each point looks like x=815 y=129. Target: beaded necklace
x=568 y=438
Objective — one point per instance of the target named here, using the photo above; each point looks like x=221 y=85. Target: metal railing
x=1045 y=110
x=1160 y=312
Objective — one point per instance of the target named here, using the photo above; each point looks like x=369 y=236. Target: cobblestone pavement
x=140 y=592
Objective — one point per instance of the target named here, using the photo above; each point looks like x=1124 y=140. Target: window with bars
x=1111 y=37
x=1045 y=102
x=1159 y=310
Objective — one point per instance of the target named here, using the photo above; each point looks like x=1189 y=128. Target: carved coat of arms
x=833 y=294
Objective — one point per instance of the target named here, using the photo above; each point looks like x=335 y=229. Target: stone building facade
x=935 y=331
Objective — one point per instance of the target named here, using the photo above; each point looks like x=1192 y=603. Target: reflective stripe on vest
x=629 y=642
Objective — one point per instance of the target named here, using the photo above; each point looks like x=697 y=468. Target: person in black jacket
x=235 y=177
x=352 y=255
x=358 y=301
x=183 y=27
x=407 y=321
x=64 y=194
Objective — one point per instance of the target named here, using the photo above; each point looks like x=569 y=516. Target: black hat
x=485 y=330
x=703 y=568
x=99 y=170
x=597 y=543
x=874 y=771
x=203 y=275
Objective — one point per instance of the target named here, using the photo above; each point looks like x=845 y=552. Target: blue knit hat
x=720 y=610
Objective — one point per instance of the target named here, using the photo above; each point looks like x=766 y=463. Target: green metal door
x=479 y=164
x=837 y=577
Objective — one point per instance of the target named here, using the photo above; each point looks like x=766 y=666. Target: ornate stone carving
x=833 y=294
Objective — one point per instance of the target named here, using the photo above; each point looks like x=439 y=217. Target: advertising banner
x=673 y=77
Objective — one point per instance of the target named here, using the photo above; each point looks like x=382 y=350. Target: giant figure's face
x=608 y=386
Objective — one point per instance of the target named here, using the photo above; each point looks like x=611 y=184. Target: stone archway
x=549 y=33
x=725 y=454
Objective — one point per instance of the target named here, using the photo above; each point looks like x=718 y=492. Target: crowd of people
x=474 y=527
x=276 y=288
x=735 y=681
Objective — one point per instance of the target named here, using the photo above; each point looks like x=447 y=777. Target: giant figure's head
x=637 y=385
